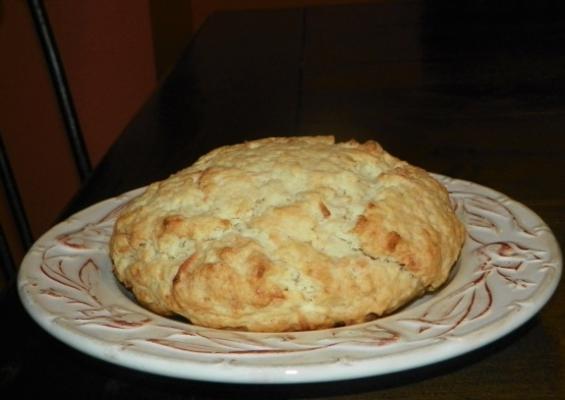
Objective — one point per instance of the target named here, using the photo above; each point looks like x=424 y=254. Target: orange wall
x=30 y=125
x=107 y=50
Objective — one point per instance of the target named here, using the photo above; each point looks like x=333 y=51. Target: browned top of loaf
x=286 y=234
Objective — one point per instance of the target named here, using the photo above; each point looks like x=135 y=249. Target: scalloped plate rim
x=229 y=370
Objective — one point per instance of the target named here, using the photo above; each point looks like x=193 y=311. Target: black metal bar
x=6 y=259
x=14 y=199
x=56 y=70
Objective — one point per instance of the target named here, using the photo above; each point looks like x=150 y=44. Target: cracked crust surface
x=287 y=234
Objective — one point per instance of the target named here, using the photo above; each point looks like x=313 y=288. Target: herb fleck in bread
x=287 y=234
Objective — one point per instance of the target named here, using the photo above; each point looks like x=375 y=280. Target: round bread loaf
x=287 y=234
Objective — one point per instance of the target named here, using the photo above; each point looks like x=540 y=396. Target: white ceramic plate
x=509 y=267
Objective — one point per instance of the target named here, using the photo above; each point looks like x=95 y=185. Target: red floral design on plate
x=508 y=267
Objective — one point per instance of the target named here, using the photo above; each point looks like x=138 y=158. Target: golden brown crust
x=284 y=234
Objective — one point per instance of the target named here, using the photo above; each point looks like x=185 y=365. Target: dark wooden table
x=469 y=89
